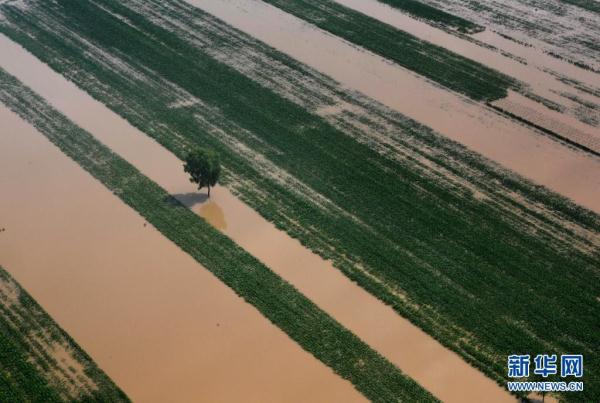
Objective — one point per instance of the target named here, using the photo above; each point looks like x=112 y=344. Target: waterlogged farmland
x=40 y=362
x=450 y=240
x=565 y=29
x=436 y=63
x=405 y=345
x=434 y=16
x=555 y=84
x=304 y=322
x=480 y=128
x=120 y=288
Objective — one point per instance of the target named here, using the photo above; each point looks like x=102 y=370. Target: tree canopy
x=204 y=167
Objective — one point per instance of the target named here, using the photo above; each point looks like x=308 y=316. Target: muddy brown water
x=439 y=370
x=158 y=323
x=569 y=172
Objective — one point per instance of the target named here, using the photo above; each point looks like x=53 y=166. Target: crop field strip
x=590 y=5
x=436 y=63
x=453 y=282
x=304 y=322
x=39 y=362
x=434 y=16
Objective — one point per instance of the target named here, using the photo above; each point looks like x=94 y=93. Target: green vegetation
x=204 y=167
x=28 y=370
x=449 y=240
x=436 y=63
x=590 y=5
x=434 y=15
x=282 y=304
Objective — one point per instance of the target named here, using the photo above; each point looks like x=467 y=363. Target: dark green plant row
x=25 y=374
x=281 y=303
x=469 y=268
x=590 y=5
x=435 y=15
x=434 y=62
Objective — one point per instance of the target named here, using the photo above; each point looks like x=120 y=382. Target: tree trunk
x=209 y=191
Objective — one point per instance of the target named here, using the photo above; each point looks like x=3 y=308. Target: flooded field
x=569 y=90
x=547 y=78
x=514 y=146
x=56 y=367
x=421 y=357
x=552 y=26
x=159 y=324
x=441 y=371
x=377 y=216
x=557 y=124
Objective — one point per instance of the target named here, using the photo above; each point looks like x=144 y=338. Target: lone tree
x=204 y=167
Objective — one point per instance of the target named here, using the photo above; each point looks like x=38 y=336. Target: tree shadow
x=190 y=199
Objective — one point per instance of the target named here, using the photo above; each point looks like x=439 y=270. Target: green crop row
x=27 y=367
x=463 y=268
x=590 y=5
x=434 y=62
x=281 y=303
x=434 y=15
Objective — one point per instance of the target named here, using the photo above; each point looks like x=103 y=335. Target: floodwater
x=569 y=172
x=439 y=370
x=214 y=214
x=158 y=323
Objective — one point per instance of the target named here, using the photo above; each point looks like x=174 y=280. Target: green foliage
x=590 y=5
x=204 y=167
x=313 y=329
x=20 y=380
x=462 y=268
